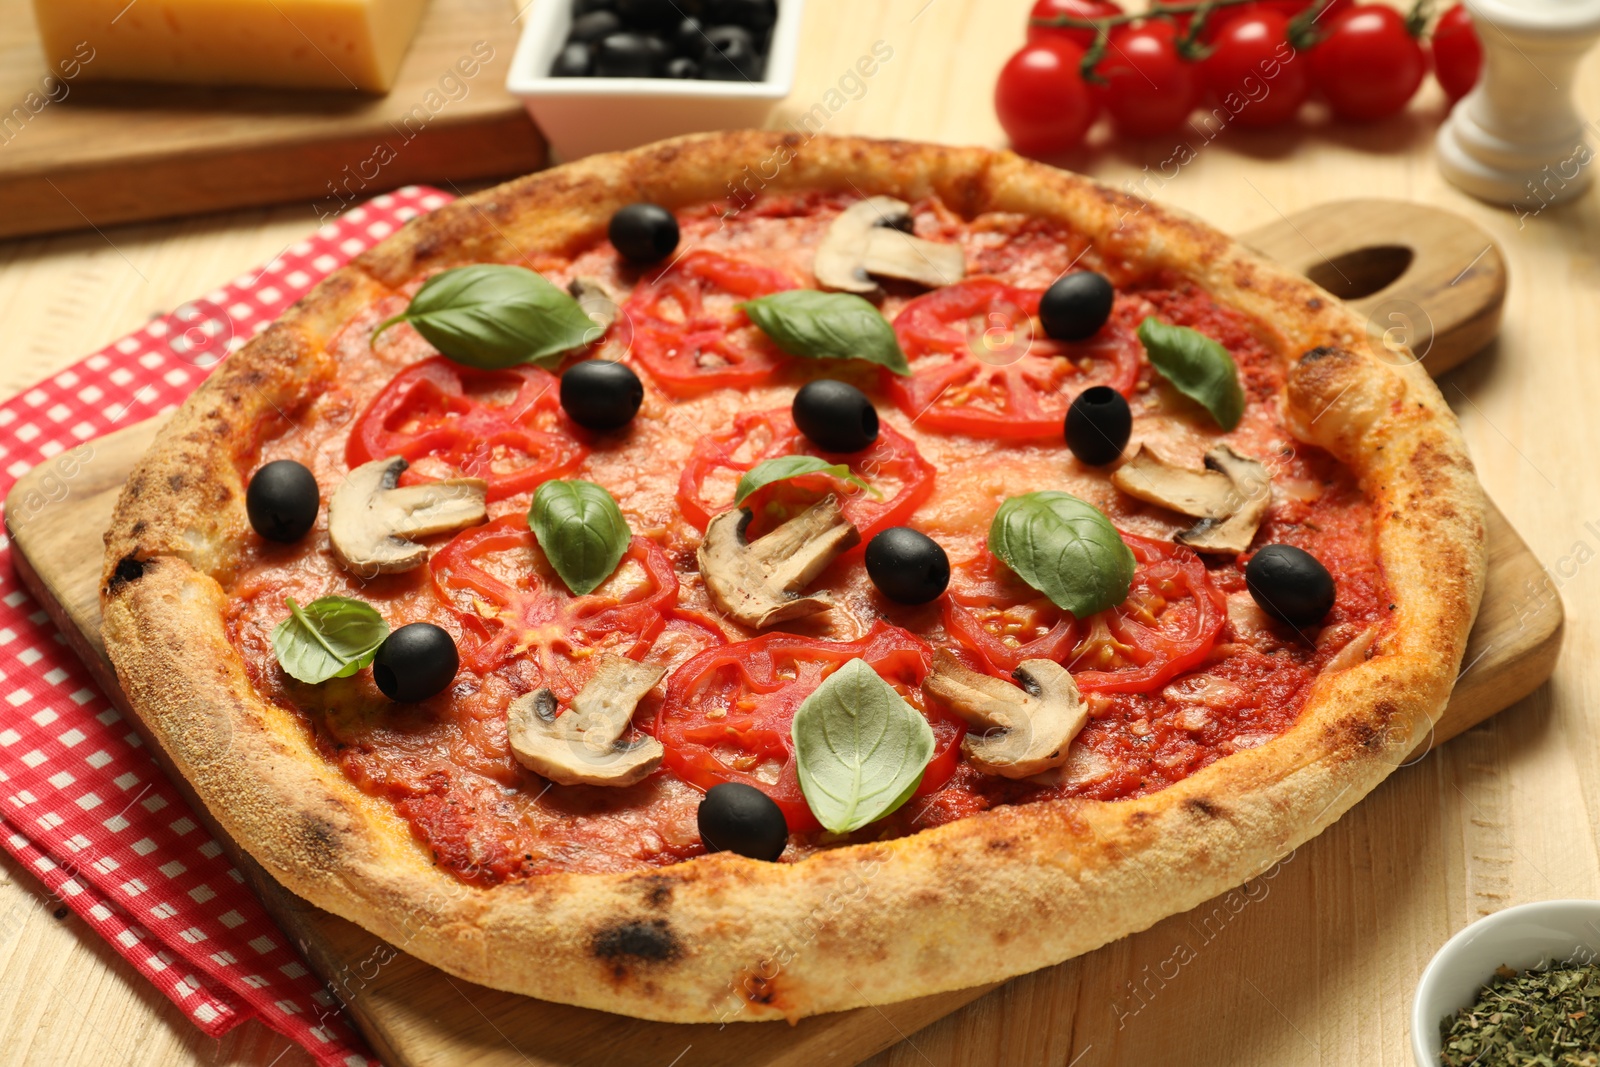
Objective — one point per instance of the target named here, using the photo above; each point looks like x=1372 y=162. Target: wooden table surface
x=1316 y=965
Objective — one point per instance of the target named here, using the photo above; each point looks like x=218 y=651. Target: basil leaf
x=493 y=315
x=859 y=748
x=1065 y=548
x=1201 y=369
x=331 y=637
x=581 y=530
x=817 y=325
x=784 y=467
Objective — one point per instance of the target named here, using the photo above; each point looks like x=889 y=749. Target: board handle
x=1424 y=277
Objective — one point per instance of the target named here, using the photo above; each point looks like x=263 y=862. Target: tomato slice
x=689 y=332
x=505 y=592
x=503 y=426
x=981 y=364
x=727 y=713
x=892 y=466
x=1166 y=626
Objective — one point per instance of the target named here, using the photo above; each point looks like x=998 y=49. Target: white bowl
x=1531 y=935
x=581 y=116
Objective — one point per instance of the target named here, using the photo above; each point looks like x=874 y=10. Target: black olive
x=282 y=500
x=598 y=394
x=415 y=662
x=835 y=416
x=652 y=15
x=681 y=67
x=753 y=15
x=907 y=566
x=730 y=55
x=741 y=819
x=593 y=26
x=1076 y=305
x=630 y=55
x=689 y=38
x=1098 y=424
x=1290 y=584
x=644 y=233
x=575 y=60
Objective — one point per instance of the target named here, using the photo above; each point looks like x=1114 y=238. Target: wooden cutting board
x=105 y=153
x=415 y=1015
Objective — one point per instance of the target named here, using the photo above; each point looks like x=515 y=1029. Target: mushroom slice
x=872 y=238
x=1252 y=494
x=371 y=521
x=1026 y=728
x=595 y=300
x=1230 y=496
x=578 y=746
x=1205 y=494
x=759 y=583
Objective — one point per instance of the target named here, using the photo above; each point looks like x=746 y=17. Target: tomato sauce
x=446 y=765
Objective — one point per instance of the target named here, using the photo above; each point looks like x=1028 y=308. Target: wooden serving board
x=417 y=1016
x=107 y=152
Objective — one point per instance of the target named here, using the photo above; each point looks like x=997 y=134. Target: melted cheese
x=300 y=44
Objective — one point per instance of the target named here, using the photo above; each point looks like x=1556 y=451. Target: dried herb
x=1543 y=1018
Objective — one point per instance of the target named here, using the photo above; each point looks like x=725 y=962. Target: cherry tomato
x=1072 y=9
x=891 y=465
x=1167 y=624
x=505 y=592
x=688 y=331
x=1255 y=73
x=1220 y=17
x=727 y=713
x=1149 y=89
x=1368 y=66
x=1041 y=99
x=981 y=365
x=503 y=426
x=1457 y=53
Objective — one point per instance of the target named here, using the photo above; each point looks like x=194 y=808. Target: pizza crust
x=722 y=938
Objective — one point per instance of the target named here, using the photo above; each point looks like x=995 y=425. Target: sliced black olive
x=741 y=819
x=681 y=67
x=730 y=55
x=593 y=26
x=835 y=416
x=644 y=233
x=415 y=662
x=1290 y=584
x=1098 y=424
x=907 y=566
x=753 y=15
x=598 y=394
x=1076 y=305
x=653 y=15
x=630 y=55
x=282 y=500
x=575 y=60
x=689 y=38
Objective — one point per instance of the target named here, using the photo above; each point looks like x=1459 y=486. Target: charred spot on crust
x=657 y=890
x=759 y=989
x=176 y=482
x=129 y=568
x=623 y=944
x=321 y=842
x=1000 y=844
x=1319 y=353
x=1202 y=806
x=1314 y=304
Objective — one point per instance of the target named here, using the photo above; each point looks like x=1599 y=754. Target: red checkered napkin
x=81 y=803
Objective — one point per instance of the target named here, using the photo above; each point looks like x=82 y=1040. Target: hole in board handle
x=1362 y=271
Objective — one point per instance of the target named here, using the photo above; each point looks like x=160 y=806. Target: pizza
x=754 y=576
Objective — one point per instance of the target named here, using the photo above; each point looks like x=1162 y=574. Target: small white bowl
x=1530 y=935
x=581 y=116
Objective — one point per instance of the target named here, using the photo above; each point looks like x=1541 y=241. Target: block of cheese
x=300 y=44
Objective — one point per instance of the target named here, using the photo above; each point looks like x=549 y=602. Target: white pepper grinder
x=1517 y=139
